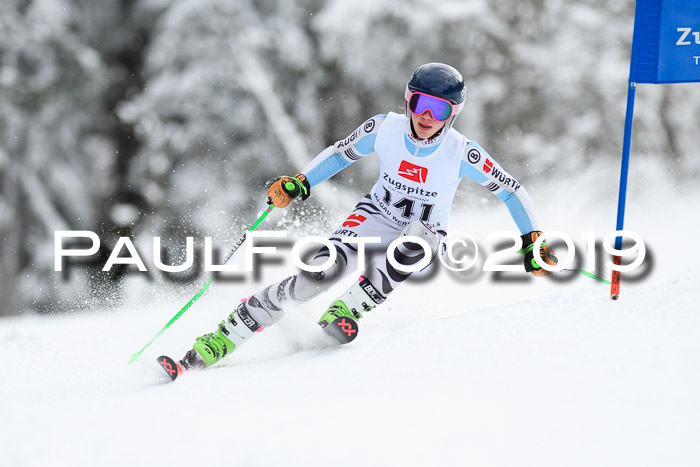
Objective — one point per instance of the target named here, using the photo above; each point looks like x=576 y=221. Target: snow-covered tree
x=61 y=145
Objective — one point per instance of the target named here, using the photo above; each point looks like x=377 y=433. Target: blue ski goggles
x=439 y=108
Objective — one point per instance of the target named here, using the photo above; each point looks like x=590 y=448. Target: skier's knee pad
x=310 y=284
x=410 y=253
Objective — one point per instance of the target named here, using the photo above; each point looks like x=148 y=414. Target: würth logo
x=488 y=165
x=413 y=172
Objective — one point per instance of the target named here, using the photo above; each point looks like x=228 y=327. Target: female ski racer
x=422 y=159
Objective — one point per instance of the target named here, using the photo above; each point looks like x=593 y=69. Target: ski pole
x=580 y=271
x=587 y=274
x=136 y=355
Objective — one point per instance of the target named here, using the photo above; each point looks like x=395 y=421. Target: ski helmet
x=439 y=80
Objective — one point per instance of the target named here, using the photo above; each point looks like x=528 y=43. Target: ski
x=343 y=329
x=171 y=367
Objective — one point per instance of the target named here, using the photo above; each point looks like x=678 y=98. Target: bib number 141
x=406 y=206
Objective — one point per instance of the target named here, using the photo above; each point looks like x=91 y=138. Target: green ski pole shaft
x=587 y=274
x=255 y=225
x=580 y=271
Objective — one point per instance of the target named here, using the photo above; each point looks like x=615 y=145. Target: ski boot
x=208 y=349
x=340 y=319
x=231 y=333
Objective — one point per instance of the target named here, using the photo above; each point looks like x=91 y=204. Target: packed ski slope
x=454 y=370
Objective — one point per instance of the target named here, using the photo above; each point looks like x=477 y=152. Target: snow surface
x=454 y=370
